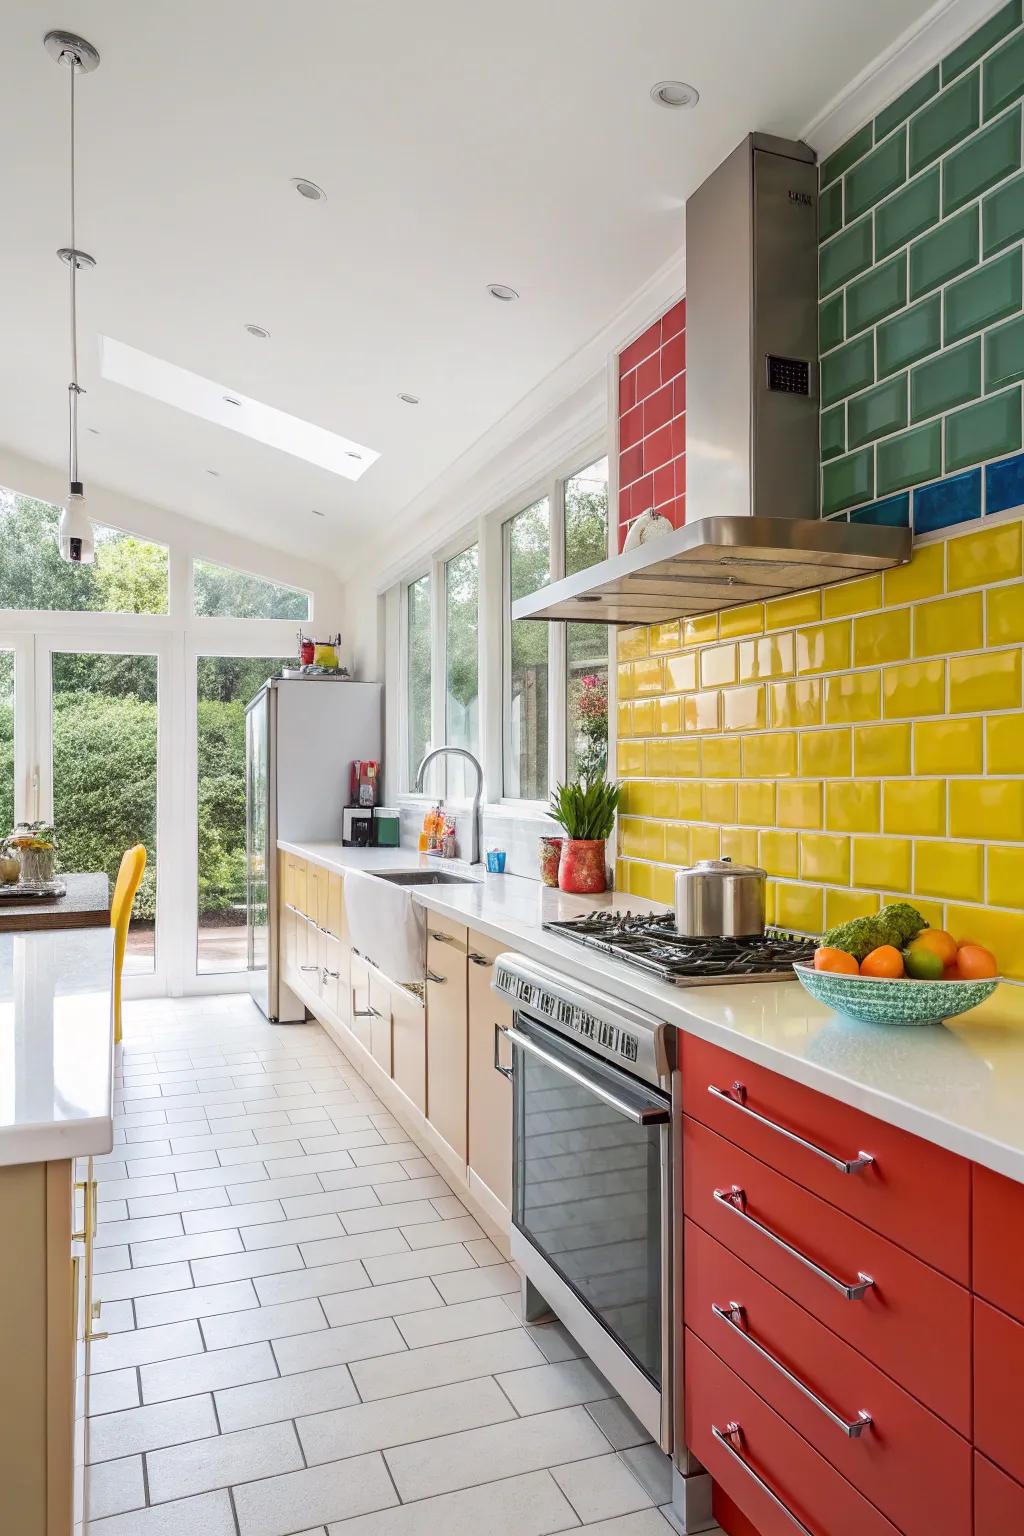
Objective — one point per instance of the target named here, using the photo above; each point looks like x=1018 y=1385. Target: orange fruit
x=827 y=959
x=975 y=962
x=952 y=973
x=940 y=941
x=886 y=960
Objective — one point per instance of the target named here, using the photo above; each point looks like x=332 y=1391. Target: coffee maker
x=357 y=817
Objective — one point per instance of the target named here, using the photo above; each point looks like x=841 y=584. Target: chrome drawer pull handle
x=478 y=959
x=442 y=938
x=366 y=1013
x=732 y=1315
x=309 y=967
x=730 y=1438
x=440 y=981
x=735 y=1200
x=736 y=1096
x=499 y=1030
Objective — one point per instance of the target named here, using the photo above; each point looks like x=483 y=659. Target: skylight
x=225 y=407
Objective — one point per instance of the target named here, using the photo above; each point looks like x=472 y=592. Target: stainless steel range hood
x=752 y=519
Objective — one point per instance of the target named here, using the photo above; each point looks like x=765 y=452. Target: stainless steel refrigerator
x=301 y=736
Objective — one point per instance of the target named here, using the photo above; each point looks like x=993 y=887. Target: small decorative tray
x=39 y=890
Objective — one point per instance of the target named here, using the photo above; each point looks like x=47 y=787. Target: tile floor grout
x=371 y=1467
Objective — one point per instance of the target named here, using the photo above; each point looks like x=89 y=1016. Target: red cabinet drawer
x=998 y=1375
x=999 y=1241
x=912 y=1322
x=906 y=1461
x=895 y=1194
x=998 y=1501
x=767 y=1458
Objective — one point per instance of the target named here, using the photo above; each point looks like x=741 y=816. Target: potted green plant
x=35 y=843
x=585 y=809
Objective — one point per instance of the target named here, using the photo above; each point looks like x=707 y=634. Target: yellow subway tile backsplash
x=1004 y=744
x=744 y=709
x=826 y=754
x=800 y=907
x=645 y=716
x=825 y=858
x=881 y=751
x=739 y=844
x=987 y=808
x=977 y=559
x=779 y=853
x=883 y=862
x=689 y=800
x=842 y=906
x=677 y=844
x=1005 y=610
x=718 y=802
x=717 y=666
x=824 y=647
x=631 y=759
x=788 y=612
x=915 y=688
x=650 y=798
x=700 y=631
x=670 y=714
x=735 y=623
x=771 y=756
x=705 y=843
x=767 y=657
x=720 y=757
x=665 y=637
x=951 y=871
x=923 y=577
x=798 y=804
x=854 y=806
x=755 y=803
x=1005 y=877
x=681 y=672
x=700 y=710
x=849 y=597
x=1001 y=932
x=663 y=886
x=881 y=637
x=632 y=643
x=949 y=624
x=915 y=805
x=640 y=839
x=676 y=758
x=797 y=703
x=648 y=679
x=852 y=696
x=625 y=680
x=641 y=879
x=989 y=680
x=948 y=746
x=624 y=718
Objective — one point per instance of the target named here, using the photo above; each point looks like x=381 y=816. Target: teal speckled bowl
x=878 y=1000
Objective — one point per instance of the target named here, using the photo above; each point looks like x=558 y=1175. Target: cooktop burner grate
x=649 y=940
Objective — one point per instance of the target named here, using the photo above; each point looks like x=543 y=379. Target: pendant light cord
x=73 y=388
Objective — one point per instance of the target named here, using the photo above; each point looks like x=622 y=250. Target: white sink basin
x=386 y=925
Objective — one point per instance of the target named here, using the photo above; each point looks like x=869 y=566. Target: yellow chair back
x=129 y=876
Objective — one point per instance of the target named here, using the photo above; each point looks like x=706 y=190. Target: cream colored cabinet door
x=359 y=1001
x=330 y=971
x=331 y=916
x=317 y=883
x=409 y=1047
x=447 y=1022
x=380 y=1020
x=295 y=882
x=490 y=1094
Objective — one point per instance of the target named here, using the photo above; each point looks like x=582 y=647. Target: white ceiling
x=460 y=142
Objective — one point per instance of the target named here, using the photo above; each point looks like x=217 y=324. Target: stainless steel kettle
x=716 y=898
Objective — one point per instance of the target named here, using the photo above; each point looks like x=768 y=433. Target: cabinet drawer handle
x=366 y=1013
x=735 y=1200
x=309 y=967
x=478 y=959
x=730 y=1439
x=76 y=1281
x=732 y=1316
x=330 y=976
x=499 y=1030
x=442 y=938
x=736 y=1096
x=441 y=981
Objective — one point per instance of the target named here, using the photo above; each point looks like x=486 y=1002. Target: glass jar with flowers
x=35 y=844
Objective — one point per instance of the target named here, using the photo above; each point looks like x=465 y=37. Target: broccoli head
x=895 y=924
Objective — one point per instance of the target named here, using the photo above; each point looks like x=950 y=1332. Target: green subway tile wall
x=922 y=316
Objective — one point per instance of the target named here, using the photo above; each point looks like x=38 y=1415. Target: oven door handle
x=639 y=1114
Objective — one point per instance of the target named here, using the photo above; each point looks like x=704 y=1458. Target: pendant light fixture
x=75 y=538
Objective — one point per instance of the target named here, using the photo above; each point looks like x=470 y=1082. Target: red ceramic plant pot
x=581 y=868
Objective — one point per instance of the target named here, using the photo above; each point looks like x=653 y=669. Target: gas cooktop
x=649 y=940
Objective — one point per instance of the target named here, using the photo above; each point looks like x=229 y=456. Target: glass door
x=101 y=777
x=17 y=791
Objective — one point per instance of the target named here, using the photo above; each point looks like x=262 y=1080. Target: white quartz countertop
x=56 y=1044
x=959 y=1084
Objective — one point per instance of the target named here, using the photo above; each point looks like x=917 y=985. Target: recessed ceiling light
x=675 y=93
x=309 y=189
x=409 y=399
x=187 y=391
x=502 y=291
x=259 y=331
x=214 y=472
x=318 y=514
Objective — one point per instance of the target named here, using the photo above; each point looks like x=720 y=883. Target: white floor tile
x=436 y=1364
x=354 y=1341
x=275 y=1322
x=381 y=1301
x=200 y=1301
x=198 y=1245
x=273 y=1188
x=112 y=1390
x=227 y=1459
x=323 y=1280
x=142 y=1282
x=401 y=1420
x=324 y=1201
x=502 y=1450
x=355 y=1178
x=463 y=1320
x=648 y=1522
x=398 y=1185
x=405 y=1213
x=106 y=1260
x=269 y=1234
x=143 y=1230
x=495 y=1280
x=278 y=1151
x=145 y=1345
x=277 y=1506
x=210 y=1371
x=600 y=1488
x=618 y=1425
x=554 y=1386
x=305 y=1392
x=233 y=1216
x=208 y=1515
x=229 y=1178
x=144 y=1429
x=365 y=1245
x=484 y=1252
x=241 y=1266
x=425 y=1261
x=115 y=1486
x=432 y=1234
x=519 y=1506
x=182 y=1200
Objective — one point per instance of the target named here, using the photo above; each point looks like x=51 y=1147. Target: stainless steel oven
x=592 y=1176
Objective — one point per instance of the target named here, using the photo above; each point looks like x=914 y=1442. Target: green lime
x=922 y=963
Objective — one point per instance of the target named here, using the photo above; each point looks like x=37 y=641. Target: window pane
x=224 y=686
x=104 y=774
x=528 y=545
x=586 y=543
x=418 y=671
x=6 y=742
x=222 y=593
x=129 y=574
x=462 y=602
x=586 y=517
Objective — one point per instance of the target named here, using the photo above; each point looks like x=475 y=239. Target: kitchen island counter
x=958 y=1084
x=86 y=905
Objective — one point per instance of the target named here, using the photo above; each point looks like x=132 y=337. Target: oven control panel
x=611 y=1038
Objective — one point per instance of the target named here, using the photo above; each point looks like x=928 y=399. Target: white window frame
x=241 y=570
